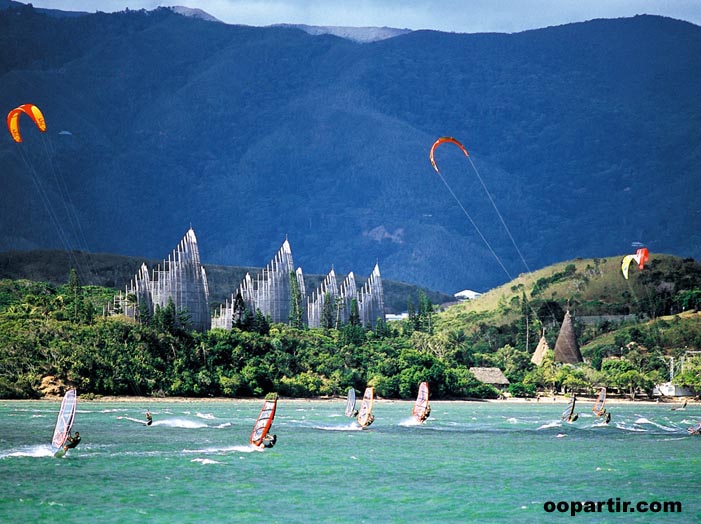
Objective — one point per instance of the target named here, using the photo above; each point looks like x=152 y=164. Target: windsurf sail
x=682 y=407
x=265 y=420
x=568 y=414
x=421 y=409
x=66 y=416
x=598 y=408
x=365 y=417
x=350 y=403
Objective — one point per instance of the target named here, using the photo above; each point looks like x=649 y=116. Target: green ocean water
x=471 y=462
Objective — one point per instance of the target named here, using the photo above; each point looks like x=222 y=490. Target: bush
x=518 y=389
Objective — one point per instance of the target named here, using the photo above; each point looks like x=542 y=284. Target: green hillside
x=625 y=328
x=588 y=287
x=52 y=335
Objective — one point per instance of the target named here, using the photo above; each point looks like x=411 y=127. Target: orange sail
x=443 y=140
x=265 y=420
x=598 y=408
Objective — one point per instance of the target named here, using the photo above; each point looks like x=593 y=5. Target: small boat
x=64 y=423
x=263 y=424
x=422 y=409
x=365 y=416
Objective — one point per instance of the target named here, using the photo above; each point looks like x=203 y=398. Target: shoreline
x=558 y=399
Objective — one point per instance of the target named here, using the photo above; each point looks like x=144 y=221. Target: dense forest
x=57 y=334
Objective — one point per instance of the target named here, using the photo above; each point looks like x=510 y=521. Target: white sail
x=66 y=416
x=365 y=417
x=568 y=414
x=350 y=403
x=421 y=409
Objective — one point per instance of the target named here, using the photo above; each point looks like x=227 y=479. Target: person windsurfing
x=269 y=442
x=682 y=407
x=569 y=413
x=149 y=418
x=695 y=430
x=72 y=441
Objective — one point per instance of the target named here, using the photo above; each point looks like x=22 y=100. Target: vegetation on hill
x=627 y=336
x=58 y=331
x=628 y=327
x=254 y=133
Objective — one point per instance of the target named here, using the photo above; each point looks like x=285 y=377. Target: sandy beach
x=558 y=399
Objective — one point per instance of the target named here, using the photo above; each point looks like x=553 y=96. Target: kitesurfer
x=149 y=418
x=269 y=442
x=73 y=441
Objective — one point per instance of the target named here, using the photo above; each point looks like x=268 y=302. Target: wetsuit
x=72 y=442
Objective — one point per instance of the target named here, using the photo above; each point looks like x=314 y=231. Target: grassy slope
x=596 y=287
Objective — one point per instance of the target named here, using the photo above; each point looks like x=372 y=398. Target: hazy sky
x=463 y=16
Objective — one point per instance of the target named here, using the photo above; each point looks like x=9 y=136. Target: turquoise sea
x=471 y=462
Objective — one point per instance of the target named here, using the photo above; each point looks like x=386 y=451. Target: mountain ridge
x=254 y=134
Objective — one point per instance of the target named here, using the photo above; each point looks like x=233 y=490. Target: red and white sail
x=421 y=407
x=265 y=420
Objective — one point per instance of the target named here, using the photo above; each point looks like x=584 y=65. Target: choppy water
x=471 y=462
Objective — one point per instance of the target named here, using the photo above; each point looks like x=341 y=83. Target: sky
x=461 y=16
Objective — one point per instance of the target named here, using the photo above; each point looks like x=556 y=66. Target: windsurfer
x=72 y=441
x=682 y=407
x=572 y=416
x=269 y=442
x=607 y=417
x=696 y=430
x=149 y=418
x=370 y=420
x=427 y=413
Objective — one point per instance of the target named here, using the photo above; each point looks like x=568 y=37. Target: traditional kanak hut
x=492 y=376
x=566 y=347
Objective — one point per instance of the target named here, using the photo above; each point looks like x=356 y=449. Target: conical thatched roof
x=566 y=347
x=539 y=353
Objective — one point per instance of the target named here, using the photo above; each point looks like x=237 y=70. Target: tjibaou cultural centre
x=182 y=280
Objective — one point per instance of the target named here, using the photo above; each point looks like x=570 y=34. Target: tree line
x=59 y=331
